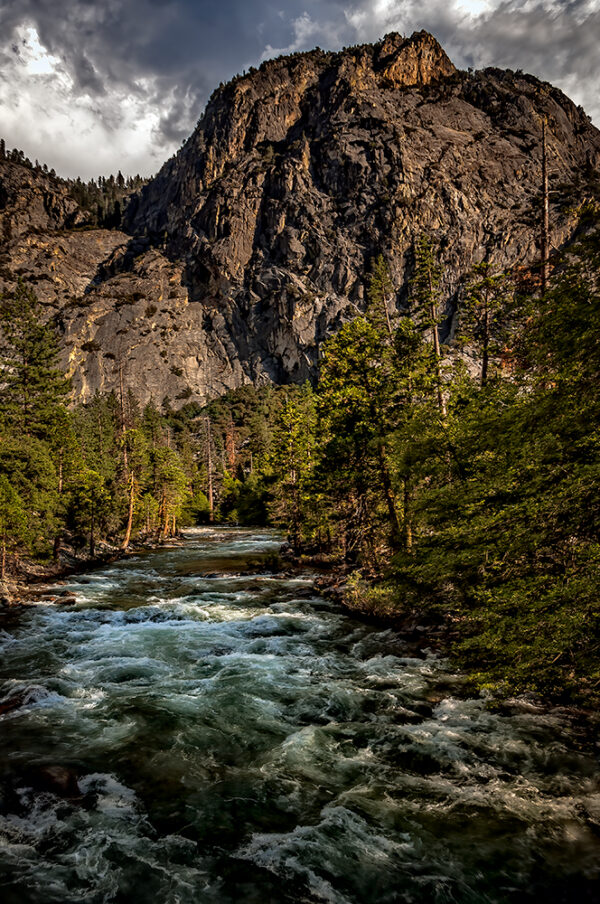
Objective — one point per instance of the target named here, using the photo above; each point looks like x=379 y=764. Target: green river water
x=231 y=736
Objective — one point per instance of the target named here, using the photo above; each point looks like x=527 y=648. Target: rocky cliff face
x=254 y=242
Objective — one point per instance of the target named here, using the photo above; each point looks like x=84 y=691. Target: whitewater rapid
x=234 y=737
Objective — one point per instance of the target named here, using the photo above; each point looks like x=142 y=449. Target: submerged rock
x=61 y=780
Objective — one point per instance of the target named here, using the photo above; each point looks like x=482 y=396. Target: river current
x=224 y=734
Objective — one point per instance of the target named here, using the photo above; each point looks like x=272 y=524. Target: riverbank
x=440 y=633
x=35 y=581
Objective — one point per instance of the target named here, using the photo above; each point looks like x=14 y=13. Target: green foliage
x=508 y=531
x=26 y=465
x=472 y=502
x=170 y=487
x=195 y=510
x=381 y=297
x=469 y=501
x=357 y=407
x=13 y=522
x=425 y=283
x=485 y=313
x=292 y=461
x=91 y=506
x=34 y=387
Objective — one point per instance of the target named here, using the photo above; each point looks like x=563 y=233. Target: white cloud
x=308 y=34
x=43 y=113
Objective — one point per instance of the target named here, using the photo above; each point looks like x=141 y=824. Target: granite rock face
x=254 y=242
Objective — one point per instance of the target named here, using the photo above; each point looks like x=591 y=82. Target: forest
x=102 y=200
x=454 y=484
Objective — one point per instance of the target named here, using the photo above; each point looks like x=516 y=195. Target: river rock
x=12 y=703
x=60 y=780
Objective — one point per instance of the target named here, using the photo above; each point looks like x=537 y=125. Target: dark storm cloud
x=151 y=47
x=159 y=60
x=556 y=40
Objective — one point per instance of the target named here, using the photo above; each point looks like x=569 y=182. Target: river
x=224 y=734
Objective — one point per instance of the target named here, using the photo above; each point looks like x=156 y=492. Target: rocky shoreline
x=42 y=583
x=421 y=636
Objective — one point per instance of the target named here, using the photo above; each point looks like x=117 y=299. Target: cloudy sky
x=91 y=86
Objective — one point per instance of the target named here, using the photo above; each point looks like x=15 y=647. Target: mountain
x=254 y=242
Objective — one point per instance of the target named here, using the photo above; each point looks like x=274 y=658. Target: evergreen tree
x=35 y=389
x=293 y=461
x=510 y=549
x=380 y=294
x=358 y=407
x=171 y=489
x=92 y=505
x=485 y=313
x=13 y=522
x=26 y=463
x=137 y=472
x=424 y=294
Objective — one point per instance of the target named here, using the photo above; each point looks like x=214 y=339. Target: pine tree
x=380 y=294
x=292 y=462
x=35 y=389
x=26 y=463
x=13 y=522
x=424 y=293
x=171 y=489
x=136 y=474
x=92 y=503
x=484 y=313
x=357 y=411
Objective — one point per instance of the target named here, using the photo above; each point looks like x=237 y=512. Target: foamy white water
x=226 y=735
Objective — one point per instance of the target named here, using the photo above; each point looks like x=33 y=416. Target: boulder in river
x=60 y=780
x=67 y=600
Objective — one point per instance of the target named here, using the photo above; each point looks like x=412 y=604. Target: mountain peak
x=418 y=60
x=254 y=243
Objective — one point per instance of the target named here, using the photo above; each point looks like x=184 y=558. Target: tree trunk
x=122 y=408
x=211 y=507
x=390 y=497
x=164 y=517
x=486 y=347
x=127 y=536
x=387 y=317
x=230 y=447
x=57 y=538
x=3 y=559
x=92 y=531
x=438 y=365
x=408 y=531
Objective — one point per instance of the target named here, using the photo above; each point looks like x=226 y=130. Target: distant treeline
x=102 y=199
